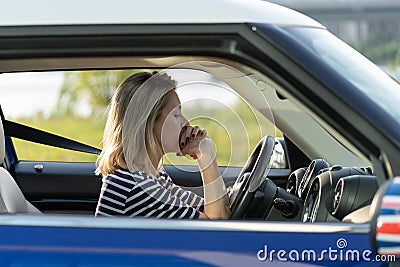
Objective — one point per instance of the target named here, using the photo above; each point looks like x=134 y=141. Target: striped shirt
x=126 y=193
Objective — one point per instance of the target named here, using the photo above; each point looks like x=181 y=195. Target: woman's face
x=168 y=127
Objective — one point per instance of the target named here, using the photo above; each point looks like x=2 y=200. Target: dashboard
x=330 y=193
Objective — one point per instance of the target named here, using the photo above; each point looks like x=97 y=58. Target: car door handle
x=38 y=168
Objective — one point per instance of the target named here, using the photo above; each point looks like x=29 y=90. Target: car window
x=74 y=105
x=368 y=78
x=69 y=104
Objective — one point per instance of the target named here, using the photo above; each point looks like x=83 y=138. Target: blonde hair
x=129 y=140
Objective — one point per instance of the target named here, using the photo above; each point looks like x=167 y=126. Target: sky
x=27 y=93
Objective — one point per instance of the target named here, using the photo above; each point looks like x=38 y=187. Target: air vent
x=304 y=181
x=336 y=198
x=291 y=184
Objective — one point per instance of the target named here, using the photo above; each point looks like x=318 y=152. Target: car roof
x=75 y=12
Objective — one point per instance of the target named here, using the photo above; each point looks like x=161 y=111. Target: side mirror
x=385 y=228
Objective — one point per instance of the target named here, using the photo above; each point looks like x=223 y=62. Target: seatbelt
x=27 y=133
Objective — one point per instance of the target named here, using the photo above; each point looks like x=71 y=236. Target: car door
x=60 y=240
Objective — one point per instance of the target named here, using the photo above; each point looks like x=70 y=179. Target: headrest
x=2 y=144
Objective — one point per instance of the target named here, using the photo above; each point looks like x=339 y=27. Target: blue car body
x=277 y=46
x=160 y=243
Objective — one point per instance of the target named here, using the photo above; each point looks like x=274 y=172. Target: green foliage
x=396 y=62
x=234 y=130
x=86 y=130
x=93 y=87
x=234 y=140
x=382 y=47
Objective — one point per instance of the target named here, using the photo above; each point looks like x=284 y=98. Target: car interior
x=325 y=178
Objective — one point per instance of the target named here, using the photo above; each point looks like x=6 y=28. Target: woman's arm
x=199 y=146
x=216 y=202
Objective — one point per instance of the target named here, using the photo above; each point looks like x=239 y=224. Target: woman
x=144 y=123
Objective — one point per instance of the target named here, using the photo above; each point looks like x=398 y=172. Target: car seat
x=11 y=198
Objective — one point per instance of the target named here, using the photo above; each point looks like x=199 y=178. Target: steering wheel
x=251 y=177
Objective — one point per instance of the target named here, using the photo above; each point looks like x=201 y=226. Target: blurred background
x=74 y=104
x=370 y=26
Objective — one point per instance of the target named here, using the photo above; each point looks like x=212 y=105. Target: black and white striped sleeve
x=113 y=194
x=149 y=198
x=186 y=196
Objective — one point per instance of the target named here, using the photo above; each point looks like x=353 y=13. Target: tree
x=382 y=47
x=396 y=62
x=91 y=88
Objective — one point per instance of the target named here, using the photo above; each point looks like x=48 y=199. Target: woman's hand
x=194 y=141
